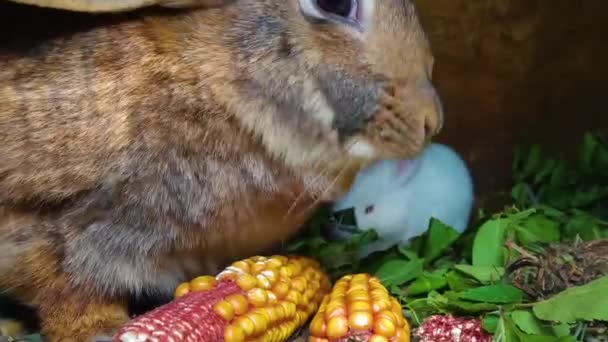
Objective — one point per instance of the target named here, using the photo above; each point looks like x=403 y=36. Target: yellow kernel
x=387 y=314
x=360 y=286
x=294 y=297
x=384 y=327
x=281 y=313
x=257 y=267
x=260 y=323
x=402 y=335
x=380 y=305
x=263 y=282
x=377 y=338
x=257 y=297
x=246 y=282
x=318 y=327
x=285 y=272
x=358 y=295
x=359 y=306
x=272 y=298
x=281 y=288
x=335 y=311
x=360 y=320
x=317 y=339
x=309 y=294
x=234 y=333
x=276 y=261
x=182 y=289
x=290 y=309
x=337 y=327
x=202 y=283
x=241 y=265
x=296 y=268
x=246 y=324
x=238 y=302
x=224 y=309
x=299 y=284
x=272 y=274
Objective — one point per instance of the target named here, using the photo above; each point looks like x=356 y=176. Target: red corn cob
x=257 y=299
x=446 y=328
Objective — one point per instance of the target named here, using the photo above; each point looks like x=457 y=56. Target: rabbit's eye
x=343 y=8
x=324 y=9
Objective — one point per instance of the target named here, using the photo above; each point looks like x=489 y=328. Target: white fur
x=361 y=148
x=436 y=184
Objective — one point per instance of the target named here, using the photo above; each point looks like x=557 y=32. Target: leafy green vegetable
x=587 y=302
x=439 y=237
x=488 y=245
x=538 y=228
x=483 y=274
x=427 y=282
x=527 y=322
x=499 y=294
x=397 y=272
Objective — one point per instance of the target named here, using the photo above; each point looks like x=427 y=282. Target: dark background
x=512 y=71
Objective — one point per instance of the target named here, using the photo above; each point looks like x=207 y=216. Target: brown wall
x=510 y=70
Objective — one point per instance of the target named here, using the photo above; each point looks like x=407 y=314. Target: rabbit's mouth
x=407 y=117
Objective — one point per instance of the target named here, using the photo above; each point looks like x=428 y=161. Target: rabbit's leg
x=66 y=313
x=32 y=273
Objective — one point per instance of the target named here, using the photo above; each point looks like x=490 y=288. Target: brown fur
x=144 y=149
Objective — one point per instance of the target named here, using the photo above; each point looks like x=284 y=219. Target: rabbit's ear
x=405 y=169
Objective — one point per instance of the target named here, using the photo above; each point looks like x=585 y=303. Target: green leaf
x=457 y=305
x=439 y=237
x=527 y=322
x=458 y=282
x=506 y=331
x=490 y=322
x=426 y=282
x=499 y=294
x=483 y=274
x=561 y=329
x=488 y=247
x=538 y=228
x=408 y=253
x=398 y=272
x=580 y=303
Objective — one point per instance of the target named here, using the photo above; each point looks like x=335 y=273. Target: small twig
x=511 y=245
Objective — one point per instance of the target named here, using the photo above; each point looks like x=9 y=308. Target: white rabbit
x=397 y=198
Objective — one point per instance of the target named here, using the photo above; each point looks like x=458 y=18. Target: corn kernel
x=257 y=297
x=224 y=309
x=384 y=327
x=378 y=338
x=238 y=302
x=234 y=333
x=246 y=282
x=337 y=327
x=359 y=306
x=318 y=326
x=182 y=289
x=402 y=335
x=360 y=320
x=246 y=324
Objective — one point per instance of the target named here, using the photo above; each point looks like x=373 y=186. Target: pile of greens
x=535 y=271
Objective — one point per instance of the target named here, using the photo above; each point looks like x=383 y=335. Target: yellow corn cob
x=359 y=308
x=256 y=299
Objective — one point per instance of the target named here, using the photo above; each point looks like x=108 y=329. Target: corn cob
x=359 y=308
x=256 y=299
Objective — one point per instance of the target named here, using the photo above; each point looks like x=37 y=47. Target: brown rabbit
x=148 y=148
